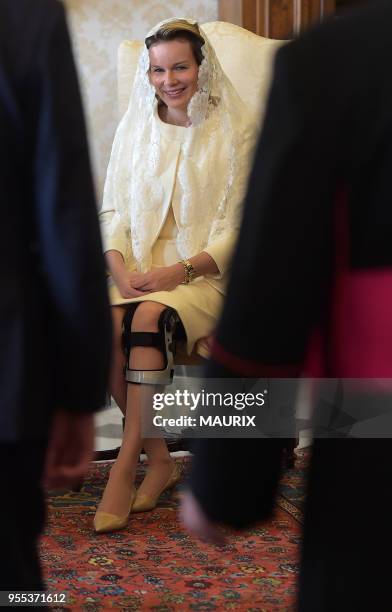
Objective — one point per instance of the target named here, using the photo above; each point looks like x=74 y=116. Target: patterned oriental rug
x=155 y=565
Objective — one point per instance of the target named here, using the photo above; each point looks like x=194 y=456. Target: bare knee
x=146 y=316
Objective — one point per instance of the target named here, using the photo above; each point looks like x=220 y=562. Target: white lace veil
x=220 y=137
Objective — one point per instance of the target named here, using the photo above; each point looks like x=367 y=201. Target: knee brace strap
x=164 y=341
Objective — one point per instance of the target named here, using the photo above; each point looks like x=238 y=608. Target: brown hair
x=179 y=30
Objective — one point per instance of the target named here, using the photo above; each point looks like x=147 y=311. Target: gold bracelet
x=189 y=271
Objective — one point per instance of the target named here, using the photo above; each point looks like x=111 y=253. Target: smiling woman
x=175 y=57
x=172 y=207
x=174 y=73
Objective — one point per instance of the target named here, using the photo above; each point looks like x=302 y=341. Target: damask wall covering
x=98 y=27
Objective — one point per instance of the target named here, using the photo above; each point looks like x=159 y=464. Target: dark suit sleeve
x=282 y=267
x=68 y=238
x=280 y=277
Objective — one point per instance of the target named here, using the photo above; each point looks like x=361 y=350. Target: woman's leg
x=118 y=385
x=118 y=490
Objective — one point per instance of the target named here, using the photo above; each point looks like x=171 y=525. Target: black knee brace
x=164 y=340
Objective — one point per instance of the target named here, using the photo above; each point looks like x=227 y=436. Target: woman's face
x=174 y=72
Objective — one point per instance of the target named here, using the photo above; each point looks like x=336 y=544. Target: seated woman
x=171 y=211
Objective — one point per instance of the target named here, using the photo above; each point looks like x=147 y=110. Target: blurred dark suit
x=328 y=128
x=54 y=314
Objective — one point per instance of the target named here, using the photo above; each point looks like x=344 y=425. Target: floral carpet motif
x=154 y=564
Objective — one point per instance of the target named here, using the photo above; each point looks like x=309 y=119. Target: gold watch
x=189 y=271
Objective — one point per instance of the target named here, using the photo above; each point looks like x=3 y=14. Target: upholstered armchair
x=245 y=57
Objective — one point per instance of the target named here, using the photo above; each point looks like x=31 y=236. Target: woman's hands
x=169 y=277
x=136 y=284
x=121 y=276
x=125 y=285
x=166 y=278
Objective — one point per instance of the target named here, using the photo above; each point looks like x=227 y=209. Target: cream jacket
x=119 y=239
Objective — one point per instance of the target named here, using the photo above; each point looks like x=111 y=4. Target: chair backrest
x=246 y=58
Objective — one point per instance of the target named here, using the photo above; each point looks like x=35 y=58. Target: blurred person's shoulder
x=24 y=14
x=24 y=26
x=21 y=17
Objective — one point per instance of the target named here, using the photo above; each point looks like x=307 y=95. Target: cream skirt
x=197 y=304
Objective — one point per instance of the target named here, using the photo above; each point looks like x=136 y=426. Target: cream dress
x=199 y=303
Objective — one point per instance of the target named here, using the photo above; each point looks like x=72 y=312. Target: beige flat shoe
x=105 y=522
x=144 y=503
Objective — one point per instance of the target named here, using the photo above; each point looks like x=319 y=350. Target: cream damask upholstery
x=246 y=58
